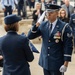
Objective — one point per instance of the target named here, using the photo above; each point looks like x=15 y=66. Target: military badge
x=56 y=40
x=57 y=35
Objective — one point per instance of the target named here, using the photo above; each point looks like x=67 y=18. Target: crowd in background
x=8 y=6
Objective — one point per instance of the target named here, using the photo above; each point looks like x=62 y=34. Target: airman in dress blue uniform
x=57 y=43
x=72 y=24
x=7 y=6
x=15 y=49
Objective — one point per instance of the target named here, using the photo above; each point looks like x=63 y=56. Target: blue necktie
x=50 y=28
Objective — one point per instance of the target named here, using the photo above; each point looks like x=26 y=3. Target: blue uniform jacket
x=57 y=47
x=72 y=23
x=16 y=53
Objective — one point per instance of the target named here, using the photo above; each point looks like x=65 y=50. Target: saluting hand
x=37 y=24
x=40 y=19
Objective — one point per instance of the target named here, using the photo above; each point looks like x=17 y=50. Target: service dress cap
x=10 y=19
x=52 y=7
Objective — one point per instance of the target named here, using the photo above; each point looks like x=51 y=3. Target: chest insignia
x=56 y=40
x=57 y=35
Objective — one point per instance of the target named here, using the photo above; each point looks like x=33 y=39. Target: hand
x=4 y=9
x=63 y=68
x=41 y=18
x=38 y=11
x=37 y=24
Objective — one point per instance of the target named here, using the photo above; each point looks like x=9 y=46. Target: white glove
x=63 y=68
x=41 y=18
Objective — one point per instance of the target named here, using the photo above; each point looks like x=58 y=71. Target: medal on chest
x=57 y=36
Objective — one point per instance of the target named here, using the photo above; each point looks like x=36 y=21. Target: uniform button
x=49 y=41
x=48 y=47
x=48 y=54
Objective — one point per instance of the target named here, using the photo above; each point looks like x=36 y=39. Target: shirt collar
x=54 y=23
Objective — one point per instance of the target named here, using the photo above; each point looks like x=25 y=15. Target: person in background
x=57 y=42
x=62 y=15
x=36 y=13
x=43 y=3
x=15 y=48
x=16 y=4
x=31 y=4
x=51 y=1
x=21 y=7
x=72 y=24
x=62 y=2
x=55 y=1
x=68 y=8
x=7 y=6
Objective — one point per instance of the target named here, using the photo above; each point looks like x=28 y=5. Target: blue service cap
x=10 y=19
x=52 y=7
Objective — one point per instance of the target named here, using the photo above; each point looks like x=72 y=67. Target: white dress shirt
x=5 y=3
x=53 y=25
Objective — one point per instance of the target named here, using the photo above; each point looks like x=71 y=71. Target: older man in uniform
x=56 y=42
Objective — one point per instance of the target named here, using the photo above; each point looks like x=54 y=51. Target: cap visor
x=51 y=10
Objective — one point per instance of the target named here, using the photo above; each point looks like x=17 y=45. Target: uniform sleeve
x=68 y=43
x=34 y=32
x=28 y=53
x=70 y=23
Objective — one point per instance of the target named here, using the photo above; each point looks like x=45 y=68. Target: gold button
x=48 y=47
x=49 y=41
x=48 y=54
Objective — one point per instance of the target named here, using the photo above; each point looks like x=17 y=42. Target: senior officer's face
x=51 y=16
